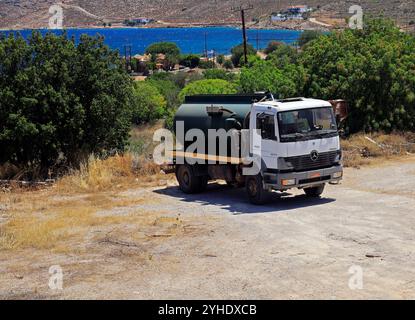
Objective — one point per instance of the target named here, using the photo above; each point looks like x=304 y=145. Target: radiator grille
x=305 y=162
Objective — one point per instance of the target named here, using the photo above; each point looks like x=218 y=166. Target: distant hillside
x=81 y=13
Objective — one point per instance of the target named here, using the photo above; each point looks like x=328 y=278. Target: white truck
x=296 y=143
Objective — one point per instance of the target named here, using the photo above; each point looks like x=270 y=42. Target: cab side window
x=266 y=124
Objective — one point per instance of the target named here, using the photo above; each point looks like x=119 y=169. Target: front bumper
x=277 y=181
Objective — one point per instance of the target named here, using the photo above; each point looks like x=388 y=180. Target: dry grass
x=135 y=167
x=117 y=172
x=46 y=220
x=42 y=219
x=359 y=150
x=62 y=218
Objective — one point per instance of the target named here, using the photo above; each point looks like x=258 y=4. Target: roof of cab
x=294 y=103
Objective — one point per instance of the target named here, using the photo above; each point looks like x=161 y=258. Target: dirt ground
x=218 y=246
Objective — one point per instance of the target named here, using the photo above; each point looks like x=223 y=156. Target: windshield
x=307 y=124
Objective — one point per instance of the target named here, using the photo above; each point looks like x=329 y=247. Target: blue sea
x=190 y=40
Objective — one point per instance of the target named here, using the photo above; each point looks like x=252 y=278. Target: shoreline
x=169 y=26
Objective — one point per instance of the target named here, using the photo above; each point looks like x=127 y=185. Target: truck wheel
x=314 y=192
x=255 y=190
x=188 y=182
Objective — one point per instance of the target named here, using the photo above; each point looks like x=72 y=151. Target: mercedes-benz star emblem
x=314 y=155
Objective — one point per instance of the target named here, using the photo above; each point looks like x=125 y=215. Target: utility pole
x=206 y=50
x=128 y=57
x=242 y=9
x=257 y=39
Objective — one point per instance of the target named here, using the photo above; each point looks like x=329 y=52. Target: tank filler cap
x=214 y=110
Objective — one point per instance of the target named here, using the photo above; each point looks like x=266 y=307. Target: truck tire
x=188 y=182
x=255 y=190
x=314 y=192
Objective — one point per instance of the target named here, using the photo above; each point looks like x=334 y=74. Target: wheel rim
x=252 y=188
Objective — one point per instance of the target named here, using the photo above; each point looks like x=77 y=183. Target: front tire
x=188 y=182
x=255 y=190
x=314 y=192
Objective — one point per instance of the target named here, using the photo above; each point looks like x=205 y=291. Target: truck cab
x=299 y=145
x=295 y=144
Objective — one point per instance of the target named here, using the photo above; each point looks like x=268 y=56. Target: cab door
x=265 y=137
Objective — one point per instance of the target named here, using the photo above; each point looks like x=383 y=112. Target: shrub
x=283 y=55
x=238 y=53
x=209 y=64
x=218 y=74
x=190 y=60
x=208 y=86
x=272 y=46
x=60 y=101
x=264 y=76
x=252 y=59
x=307 y=36
x=168 y=89
x=220 y=59
x=373 y=69
x=228 y=64
x=147 y=103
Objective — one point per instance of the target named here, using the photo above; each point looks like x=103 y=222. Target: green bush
x=272 y=46
x=59 y=101
x=168 y=89
x=191 y=60
x=252 y=59
x=283 y=55
x=147 y=103
x=238 y=53
x=208 y=86
x=307 y=36
x=264 y=76
x=373 y=69
x=218 y=74
x=227 y=64
x=206 y=64
x=220 y=59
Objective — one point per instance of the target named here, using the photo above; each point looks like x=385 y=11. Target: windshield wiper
x=322 y=133
x=296 y=136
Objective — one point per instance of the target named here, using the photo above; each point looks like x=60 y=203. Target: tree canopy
x=208 y=86
x=60 y=101
x=265 y=76
x=307 y=36
x=190 y=60
x=373 y=69
x=168 y=48
x=238 y=53
x=147 y=104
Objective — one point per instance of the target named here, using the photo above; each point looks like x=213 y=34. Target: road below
x=292 y=248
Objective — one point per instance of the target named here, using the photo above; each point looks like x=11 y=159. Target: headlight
x=339 y=156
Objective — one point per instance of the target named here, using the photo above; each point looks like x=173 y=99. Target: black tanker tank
x=206 y=112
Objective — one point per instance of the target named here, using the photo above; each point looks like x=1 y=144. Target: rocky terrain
x=17 y=14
